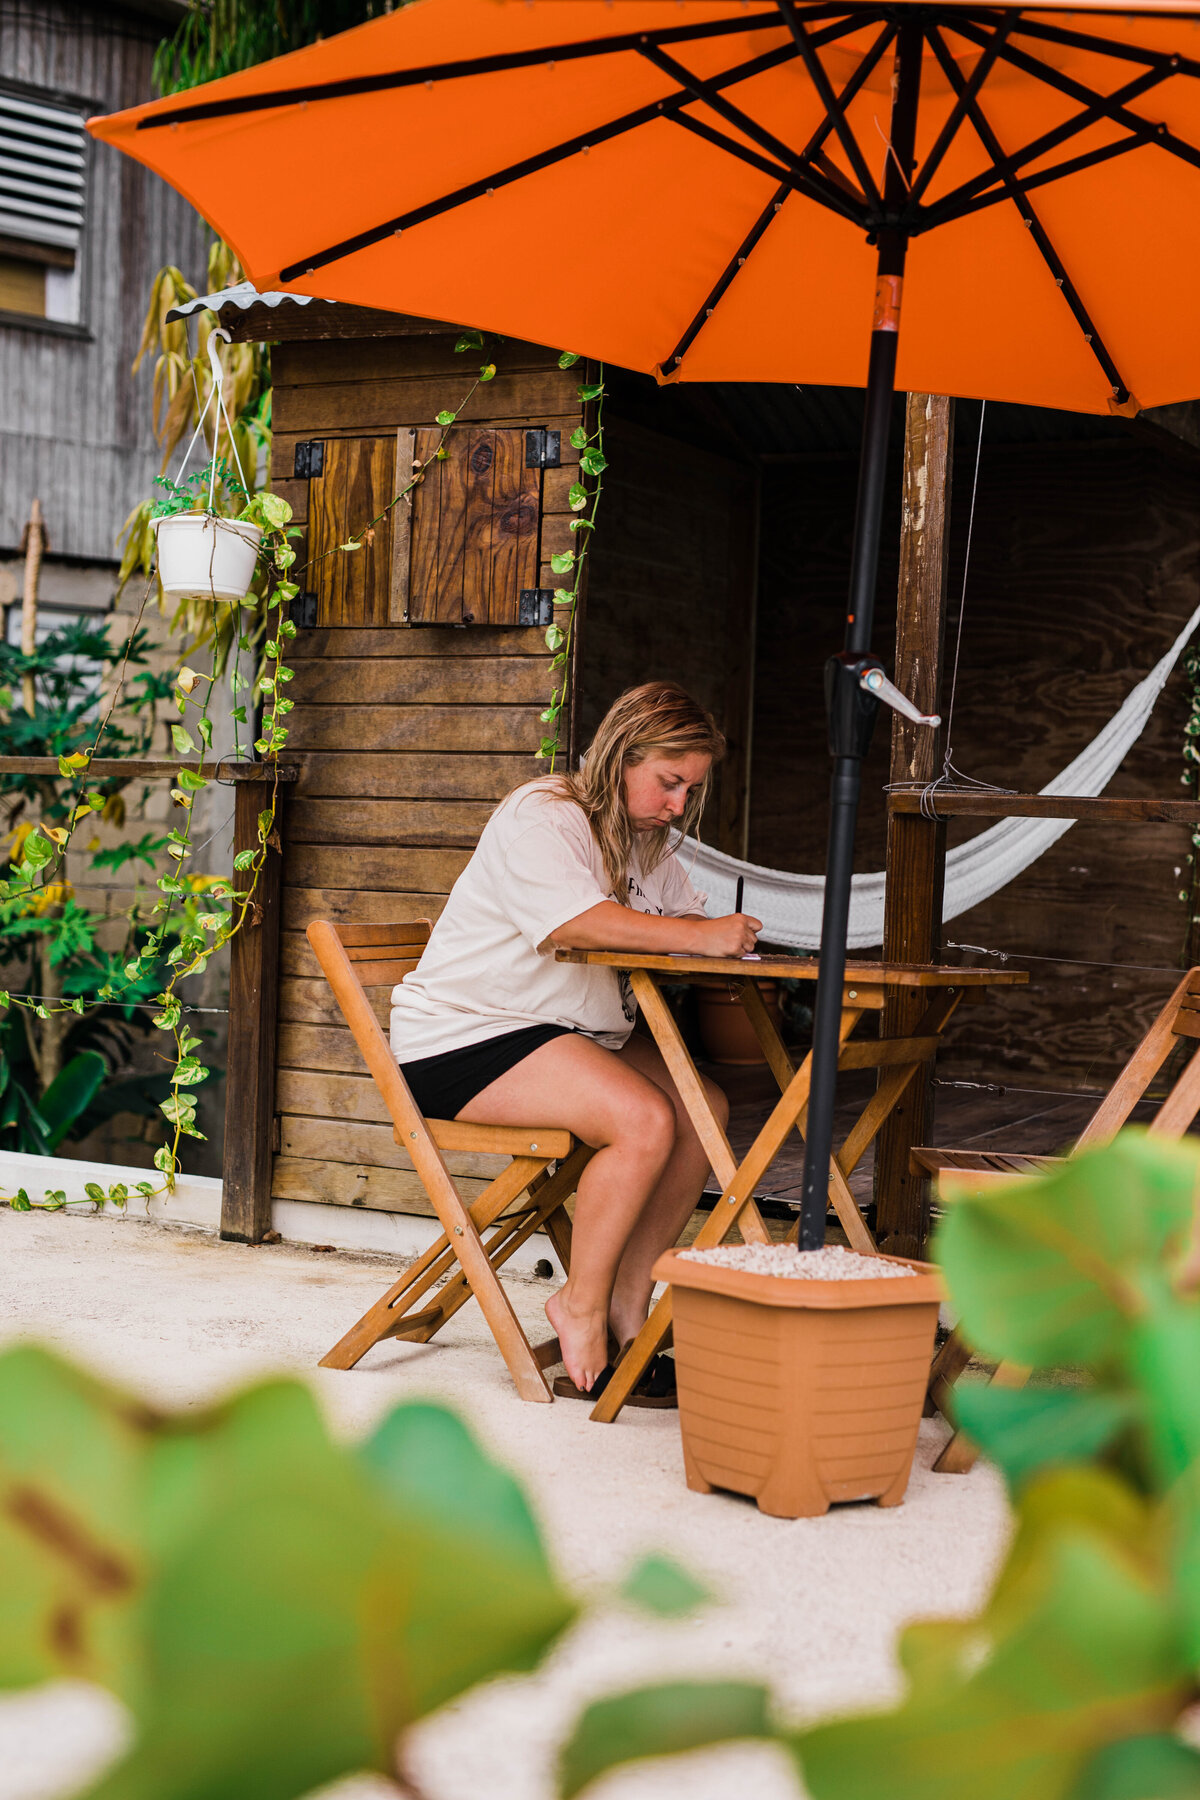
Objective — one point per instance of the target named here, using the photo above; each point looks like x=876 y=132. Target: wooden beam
x=916 y=847
x=155 y=768
x=250 y=1058
x=1099 y=809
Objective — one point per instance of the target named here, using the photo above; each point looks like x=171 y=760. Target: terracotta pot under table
x=725 y=1031
x=800 y=1393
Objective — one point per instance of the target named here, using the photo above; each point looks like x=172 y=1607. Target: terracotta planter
x=725 y=1031
x=800 y=1393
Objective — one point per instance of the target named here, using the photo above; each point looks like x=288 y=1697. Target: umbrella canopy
x=724 y=190
x=670 y=185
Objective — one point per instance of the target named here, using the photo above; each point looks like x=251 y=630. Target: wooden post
x=250 y=1059
x=29 y=599
x=916 y=847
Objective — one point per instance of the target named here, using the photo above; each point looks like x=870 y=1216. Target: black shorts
x=443 y=1085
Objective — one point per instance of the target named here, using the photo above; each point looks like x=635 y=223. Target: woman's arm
x=612 y=927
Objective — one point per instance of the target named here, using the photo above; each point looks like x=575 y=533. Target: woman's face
x=658 y=789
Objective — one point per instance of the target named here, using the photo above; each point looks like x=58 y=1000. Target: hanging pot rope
x=216 y=391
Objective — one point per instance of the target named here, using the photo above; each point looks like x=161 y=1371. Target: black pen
x=741 y=888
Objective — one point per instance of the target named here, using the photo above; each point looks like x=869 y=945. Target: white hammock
x=790 y=905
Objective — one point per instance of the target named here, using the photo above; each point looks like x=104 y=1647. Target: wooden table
x=865 y=987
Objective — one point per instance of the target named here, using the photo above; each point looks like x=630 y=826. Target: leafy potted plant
x=200 y=552
x=801 y=1375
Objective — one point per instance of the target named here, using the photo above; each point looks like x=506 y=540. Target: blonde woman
x=491 y=1028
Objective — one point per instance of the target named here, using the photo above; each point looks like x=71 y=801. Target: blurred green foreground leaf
x=274 y=1608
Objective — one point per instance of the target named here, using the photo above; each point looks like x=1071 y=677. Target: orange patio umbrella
x=743 y=190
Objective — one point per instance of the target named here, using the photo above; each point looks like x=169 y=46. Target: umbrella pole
x=851 y=708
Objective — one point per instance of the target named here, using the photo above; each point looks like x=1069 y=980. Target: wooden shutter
x=475 y=527
x=355 y=486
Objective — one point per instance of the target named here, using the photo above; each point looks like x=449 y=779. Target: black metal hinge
x=543 y=449
x=536 y=606
x=303 y=611
x=309 y=461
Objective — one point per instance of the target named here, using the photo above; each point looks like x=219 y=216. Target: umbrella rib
x=667 y=108
x=953 y=204
x=1089 y=159
x=726 y=278
x=813 y=186
x=1082 y=40
x=750 y=241
x=1029 y=217
x=475 y=190
x=502 y=63
x=1076 y=90
x=949 y=131
x=708 y=93
x=835 y=109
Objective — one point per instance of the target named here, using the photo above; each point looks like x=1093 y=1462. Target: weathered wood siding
x=1085 y=563
x=406 y=736
x=75 y=427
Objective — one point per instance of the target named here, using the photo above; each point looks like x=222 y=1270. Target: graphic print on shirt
x=636 y=893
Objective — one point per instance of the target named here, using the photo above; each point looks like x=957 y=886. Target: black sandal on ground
x=655 y=1391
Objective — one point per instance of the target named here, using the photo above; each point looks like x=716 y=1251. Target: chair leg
x=478 y=1265
x=960 y=1454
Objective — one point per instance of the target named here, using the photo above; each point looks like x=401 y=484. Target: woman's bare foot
x=582 y=1338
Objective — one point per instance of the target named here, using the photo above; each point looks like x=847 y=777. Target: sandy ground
x=813 y=1606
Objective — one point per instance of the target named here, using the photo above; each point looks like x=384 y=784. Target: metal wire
x=121 y=1005
x=1079 y=962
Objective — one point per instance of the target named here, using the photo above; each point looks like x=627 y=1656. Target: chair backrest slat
x=1180 y=1017
x=406 y=1116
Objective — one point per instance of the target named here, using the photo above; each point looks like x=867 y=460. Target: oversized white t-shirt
x=489 y=966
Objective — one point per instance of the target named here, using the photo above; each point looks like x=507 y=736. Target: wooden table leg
x=744 y=1215
x=686 y=1076
x=784 y=1071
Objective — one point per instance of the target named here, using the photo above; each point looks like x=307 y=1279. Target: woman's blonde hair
x=657 y=719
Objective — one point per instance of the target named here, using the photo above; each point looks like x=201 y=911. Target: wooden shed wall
x=672 y=594
x=1085 y=564
x=406 y=737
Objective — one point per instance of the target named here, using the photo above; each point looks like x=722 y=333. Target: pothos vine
x=44 y=849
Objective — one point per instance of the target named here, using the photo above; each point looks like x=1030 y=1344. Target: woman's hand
x=734 y=935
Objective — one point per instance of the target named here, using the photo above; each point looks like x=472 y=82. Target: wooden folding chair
x=1179 y=1018
x=524 y=1198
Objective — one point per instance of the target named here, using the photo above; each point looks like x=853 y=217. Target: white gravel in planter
x=829 y=1264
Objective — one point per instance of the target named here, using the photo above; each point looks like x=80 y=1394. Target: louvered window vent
x=42 y=171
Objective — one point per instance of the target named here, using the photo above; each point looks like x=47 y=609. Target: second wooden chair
x=1178 y=1020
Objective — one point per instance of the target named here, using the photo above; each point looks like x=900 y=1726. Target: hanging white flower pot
x=202 y=556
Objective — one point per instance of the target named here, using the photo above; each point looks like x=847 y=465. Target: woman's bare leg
x=673 y=1201
x=607 y=1102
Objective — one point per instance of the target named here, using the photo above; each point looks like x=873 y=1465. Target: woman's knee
x=647 y=1118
